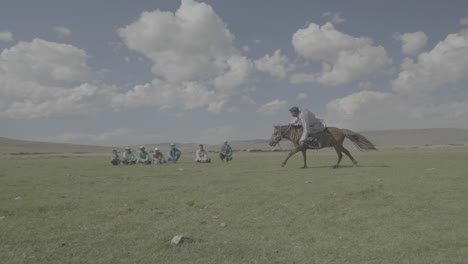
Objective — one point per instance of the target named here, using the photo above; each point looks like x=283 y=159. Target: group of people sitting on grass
x=173 y=155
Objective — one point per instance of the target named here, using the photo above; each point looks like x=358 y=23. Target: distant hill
x=419 y=137
x=382 y=139
x=24 y=147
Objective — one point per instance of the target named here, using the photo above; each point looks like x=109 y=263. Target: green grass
x=398 y=206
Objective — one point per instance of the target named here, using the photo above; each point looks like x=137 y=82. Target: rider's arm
x=295 y=122
x=305 y=125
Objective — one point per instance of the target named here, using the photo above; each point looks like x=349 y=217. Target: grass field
x=398 y=206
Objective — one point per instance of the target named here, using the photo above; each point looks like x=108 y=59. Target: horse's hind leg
x=345 y=151
x=304 y=155
x=340 y=155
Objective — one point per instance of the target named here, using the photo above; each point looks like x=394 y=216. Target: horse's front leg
x=291 y=153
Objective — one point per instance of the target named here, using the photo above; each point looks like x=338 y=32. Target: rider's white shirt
x=309 y=122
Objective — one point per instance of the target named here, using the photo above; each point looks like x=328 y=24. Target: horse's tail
x=360 y=141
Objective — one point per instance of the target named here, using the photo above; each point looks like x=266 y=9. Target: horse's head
x=276 y=136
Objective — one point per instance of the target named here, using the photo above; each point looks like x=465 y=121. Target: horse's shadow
x=347 y=166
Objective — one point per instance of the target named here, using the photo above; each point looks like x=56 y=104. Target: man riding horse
x=314 y=128
x=309 y=132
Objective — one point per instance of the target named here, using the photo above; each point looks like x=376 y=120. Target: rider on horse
x=313 y=127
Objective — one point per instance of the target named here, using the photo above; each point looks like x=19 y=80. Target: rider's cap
x=294 y=109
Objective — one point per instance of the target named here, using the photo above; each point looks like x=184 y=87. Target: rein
x=287 y=130
x=283 y=134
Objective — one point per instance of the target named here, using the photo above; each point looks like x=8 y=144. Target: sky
x=133 y=72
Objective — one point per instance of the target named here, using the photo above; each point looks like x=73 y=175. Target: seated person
x=115 y=157
x=158 y=157
x=128 y=157
x=201 y=155
x=226 y=152
x=143 y=157
x=174 y=154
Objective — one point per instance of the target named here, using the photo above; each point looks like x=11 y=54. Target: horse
x=333 y=137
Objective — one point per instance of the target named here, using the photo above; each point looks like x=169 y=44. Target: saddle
x=317 y=140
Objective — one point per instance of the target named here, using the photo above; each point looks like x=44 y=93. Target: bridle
x=281 y=136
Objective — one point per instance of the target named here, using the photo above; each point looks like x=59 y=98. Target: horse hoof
x=282 y=165
x=335 y=167
x=305 y=167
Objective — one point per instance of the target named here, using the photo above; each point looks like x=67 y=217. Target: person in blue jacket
x=226 y=152
x=174 y=154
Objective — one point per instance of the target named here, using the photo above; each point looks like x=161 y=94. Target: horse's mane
x=287 y=126
x=292 y=133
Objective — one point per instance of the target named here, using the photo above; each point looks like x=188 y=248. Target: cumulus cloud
x=416 y=100
x=464 y=21
x=6 y=36
x=166 y=95
x=445 y=64
x=62 y=31
x=42 y=79
x=358 y=110
x=233 y=109
x=301 y=96
x=194 y=58
x=276 y=65
x=371 y=110
x=44 y=62
x=344 y=58
x=335 y=18
x=411 y=43
x=272 y=107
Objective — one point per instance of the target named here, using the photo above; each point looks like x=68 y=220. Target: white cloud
x=62 y=31
x=335 y=18
x=6 y=36
x=194 y=59
x=411 y=43
x=236 y=74
x=246 y=48
x=166 y=95
x=344 y=58
x=301 y=96
x=44 y=62
x=247 y=100
x=445 y=64
x=42 y=79
x=464 y=21
x=413 y=102
x=276 y=65
x=233 y=109
x=257 y=41
x=191 y=43
x=272 y=107
x=356 y=110
x=370 y=110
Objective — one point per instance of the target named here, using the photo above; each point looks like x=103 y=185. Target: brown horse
x=333 y=137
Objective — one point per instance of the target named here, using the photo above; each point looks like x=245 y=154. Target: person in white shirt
x=201 y=155
x=158 y=157
x=312 y=125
